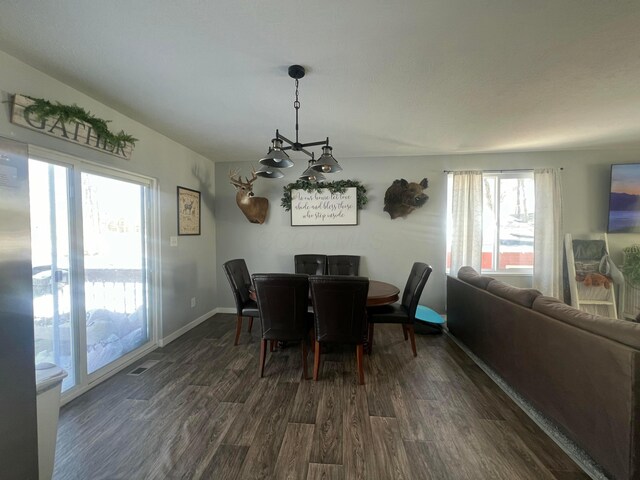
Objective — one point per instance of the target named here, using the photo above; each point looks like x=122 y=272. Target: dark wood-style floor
x=202 y=412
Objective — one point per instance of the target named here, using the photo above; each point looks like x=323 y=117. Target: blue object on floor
x=425 y=314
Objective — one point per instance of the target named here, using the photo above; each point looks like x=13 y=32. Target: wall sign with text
x=74 y=132
x=321 y=207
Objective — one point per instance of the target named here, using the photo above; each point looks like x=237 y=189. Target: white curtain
x=547 y=235
x=466 y=232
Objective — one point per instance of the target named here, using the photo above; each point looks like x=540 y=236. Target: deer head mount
x=254 y=208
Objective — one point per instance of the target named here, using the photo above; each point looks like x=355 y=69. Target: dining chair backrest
x=339 y=304
x=283 y=302
x=415 y=284
x=240 y=281
x=343 y=265
x=311 y=264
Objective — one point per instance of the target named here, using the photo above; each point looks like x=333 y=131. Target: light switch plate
x=173 y=241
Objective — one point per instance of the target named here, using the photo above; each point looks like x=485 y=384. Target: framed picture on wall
x=188 y=211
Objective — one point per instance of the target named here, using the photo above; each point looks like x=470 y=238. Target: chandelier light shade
x=277 y=157
x=266 y=171
x=326 y=163
x=311 y=175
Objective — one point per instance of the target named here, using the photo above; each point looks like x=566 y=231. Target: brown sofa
x=581 y=371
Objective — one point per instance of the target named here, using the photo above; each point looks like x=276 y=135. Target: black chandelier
x=277 y=158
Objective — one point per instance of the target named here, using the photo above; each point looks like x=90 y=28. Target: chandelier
x=277 y=158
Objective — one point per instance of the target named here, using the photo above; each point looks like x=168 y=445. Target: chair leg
x=263 y=356
x=412 y=336
x=370 y=339
x=250 y=324
x=272 y=345
x=316 y=362
x=359 y=351
x=304 y=359
x=404 y=330
x=238 y=329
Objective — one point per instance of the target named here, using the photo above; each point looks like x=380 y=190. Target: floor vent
x=143 y=367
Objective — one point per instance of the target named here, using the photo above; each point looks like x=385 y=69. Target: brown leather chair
x=339 y=304
x=311 y=264
x=283 y=300
x=343 y=265
x=403 y=313
x=240 y=281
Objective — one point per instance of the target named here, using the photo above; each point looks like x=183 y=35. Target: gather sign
x=321 y=207
x=75 y=132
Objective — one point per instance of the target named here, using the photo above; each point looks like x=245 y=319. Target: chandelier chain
x=296 y=105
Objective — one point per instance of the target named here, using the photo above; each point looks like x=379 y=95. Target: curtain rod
x=498 y=171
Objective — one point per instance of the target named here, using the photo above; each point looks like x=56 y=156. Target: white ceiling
x=385 y=78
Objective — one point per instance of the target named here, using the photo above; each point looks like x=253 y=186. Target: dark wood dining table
x=380 y=293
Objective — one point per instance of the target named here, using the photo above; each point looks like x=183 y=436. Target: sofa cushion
x=521 y=296
x=622 y=331
x=470 y=276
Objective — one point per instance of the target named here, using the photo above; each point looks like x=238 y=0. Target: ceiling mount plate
x=296 y=71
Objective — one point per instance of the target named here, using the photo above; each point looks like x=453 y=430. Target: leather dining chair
x=240 y=281
x=283 y=300
x=343 y=265
x=311 y=264
x=339 y=304
x=403 y=313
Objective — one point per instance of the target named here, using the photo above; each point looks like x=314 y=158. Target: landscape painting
x=624 y=199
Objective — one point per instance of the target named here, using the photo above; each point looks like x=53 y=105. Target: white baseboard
x=226 y=310
x=181 y=331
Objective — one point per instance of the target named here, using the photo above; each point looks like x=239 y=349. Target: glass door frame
x=76 y=167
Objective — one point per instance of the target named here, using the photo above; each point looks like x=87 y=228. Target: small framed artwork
x=188 y=211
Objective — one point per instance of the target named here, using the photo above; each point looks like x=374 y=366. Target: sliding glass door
x=93 y=289
x=115 y=272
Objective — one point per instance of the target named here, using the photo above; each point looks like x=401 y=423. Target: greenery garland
x=44 y=109
x=339 y=186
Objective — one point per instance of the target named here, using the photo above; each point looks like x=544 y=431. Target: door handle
x=61 y=276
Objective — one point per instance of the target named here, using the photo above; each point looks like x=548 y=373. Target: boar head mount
x=403 y=197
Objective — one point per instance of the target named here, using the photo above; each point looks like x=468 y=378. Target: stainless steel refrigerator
x=18 y=421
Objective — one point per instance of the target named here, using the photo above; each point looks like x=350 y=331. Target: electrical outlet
x=173 y=241
x=193 y=302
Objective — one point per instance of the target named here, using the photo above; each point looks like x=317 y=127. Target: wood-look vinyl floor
x=203 y=413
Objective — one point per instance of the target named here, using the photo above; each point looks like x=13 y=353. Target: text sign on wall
x=74 y=132
x=321 y=207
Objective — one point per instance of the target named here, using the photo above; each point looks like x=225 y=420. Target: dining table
x=380 y=293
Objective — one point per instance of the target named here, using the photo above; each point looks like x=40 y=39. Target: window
x=508 y=211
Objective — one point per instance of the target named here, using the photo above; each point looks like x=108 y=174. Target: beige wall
x=188 y=270
x=389 y=247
